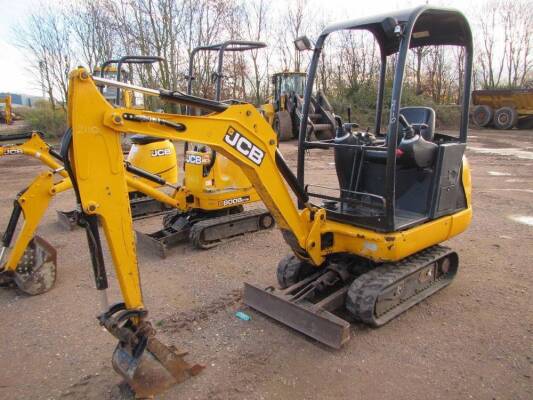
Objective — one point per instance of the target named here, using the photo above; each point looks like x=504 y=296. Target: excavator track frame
x=358 y=297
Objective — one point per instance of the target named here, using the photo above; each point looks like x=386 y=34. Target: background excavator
x=372 y=249
x=31 y=262
x=284 y=109
x=219 y=189
x=26 y=259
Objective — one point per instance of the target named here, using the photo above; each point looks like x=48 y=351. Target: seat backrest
x=421 y=115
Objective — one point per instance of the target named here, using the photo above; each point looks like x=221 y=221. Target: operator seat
x=418 y=116
x=145 y=139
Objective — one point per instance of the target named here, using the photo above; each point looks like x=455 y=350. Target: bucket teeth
x=157 y=369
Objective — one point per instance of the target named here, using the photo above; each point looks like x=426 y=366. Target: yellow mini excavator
x=218 y=189
x=372 y=249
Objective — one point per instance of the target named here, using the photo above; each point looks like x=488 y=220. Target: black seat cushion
x=145 y=139
x=421 y=115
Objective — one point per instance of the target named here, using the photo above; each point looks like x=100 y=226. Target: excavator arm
x=94 y=160
x=34 y=146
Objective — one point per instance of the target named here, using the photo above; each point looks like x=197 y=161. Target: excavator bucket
x=36 y=271
x=157 y=369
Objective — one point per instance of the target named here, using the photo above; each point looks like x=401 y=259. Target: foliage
x=52 y=121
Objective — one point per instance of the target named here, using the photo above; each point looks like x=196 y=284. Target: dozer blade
x=153 y=372
x=36 y=272
x=160 y=242
x=313 y=320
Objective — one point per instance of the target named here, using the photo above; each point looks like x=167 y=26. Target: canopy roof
x=431 y=26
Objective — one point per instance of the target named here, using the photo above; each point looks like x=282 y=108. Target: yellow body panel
x=158 y=158
x=224 y=185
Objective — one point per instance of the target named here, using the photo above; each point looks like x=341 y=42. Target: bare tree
x=46 y=39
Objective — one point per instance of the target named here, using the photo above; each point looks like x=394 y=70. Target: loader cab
x=405 y=173
x=286 y=84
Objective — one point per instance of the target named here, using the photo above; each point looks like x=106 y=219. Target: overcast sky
x=14 y=76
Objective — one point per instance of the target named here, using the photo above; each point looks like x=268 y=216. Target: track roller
x=214 y=231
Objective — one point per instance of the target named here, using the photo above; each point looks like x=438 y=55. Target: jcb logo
x=193 y=159
x=233 y=202
x=160 y=152
x=244 y=146
x=12 y=152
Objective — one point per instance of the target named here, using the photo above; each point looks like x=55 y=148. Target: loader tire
x=292 y=270
x=282 y=125
x=505 y=118
x=482 y=115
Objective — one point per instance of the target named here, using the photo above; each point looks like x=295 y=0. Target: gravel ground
x=470 y=341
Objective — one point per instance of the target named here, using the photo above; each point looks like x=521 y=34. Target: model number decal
x=160 y=152
x=235 y=201
x=12 y=152
x=244 y=146
x=193 y=159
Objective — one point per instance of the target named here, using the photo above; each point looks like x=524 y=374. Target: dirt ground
x=472 y=340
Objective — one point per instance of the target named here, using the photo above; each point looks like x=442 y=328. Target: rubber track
x=200 y=227
x=364 y=291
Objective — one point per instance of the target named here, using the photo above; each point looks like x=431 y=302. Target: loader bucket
x=36 y=271
x=157 y=369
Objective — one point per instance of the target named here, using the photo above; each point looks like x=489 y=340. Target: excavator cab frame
x=120 y=74
x=380 y=184
x=220 y=49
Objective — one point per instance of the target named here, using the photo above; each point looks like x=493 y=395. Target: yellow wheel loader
x=371 y=248
x=218 y=189
x=284 y=109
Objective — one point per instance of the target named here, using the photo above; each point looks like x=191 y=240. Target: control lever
x=407 y=129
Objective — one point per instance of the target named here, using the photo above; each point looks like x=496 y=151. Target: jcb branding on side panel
x=161 y=152
x=193 y=159
x=12 y=152
x=235 y=201
x=244 y=146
